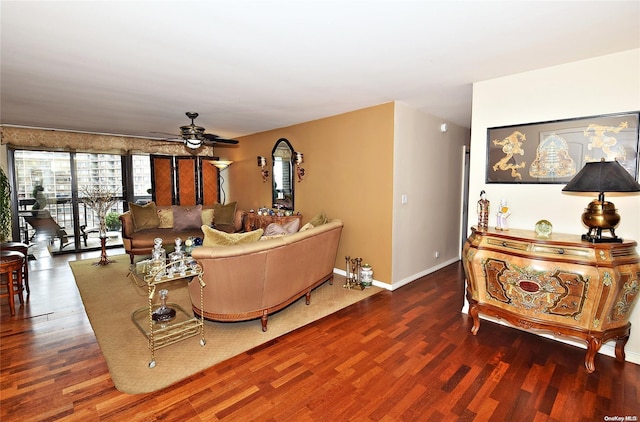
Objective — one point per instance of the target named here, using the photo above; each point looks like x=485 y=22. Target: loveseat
x=254 y=280
x=141 y=224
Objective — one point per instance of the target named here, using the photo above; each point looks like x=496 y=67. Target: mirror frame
x=274 y=193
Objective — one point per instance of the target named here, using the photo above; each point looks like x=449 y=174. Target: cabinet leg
x=592 y=349
x=620 y=343
x=264 y=321
x=473 y=311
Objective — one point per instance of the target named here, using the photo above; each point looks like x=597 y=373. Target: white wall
x=428 y=170
x=601 y=85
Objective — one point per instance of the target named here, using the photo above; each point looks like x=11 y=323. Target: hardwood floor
x=401 y=356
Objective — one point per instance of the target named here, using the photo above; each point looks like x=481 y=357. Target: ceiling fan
x=194 y=135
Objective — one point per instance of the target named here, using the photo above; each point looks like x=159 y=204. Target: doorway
x=464 y=221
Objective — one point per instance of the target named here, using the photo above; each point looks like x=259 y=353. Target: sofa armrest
x=127 y=224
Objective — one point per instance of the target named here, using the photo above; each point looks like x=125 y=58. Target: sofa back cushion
x=144 y=216
x=187 y=218
x=260 y=275
x=304 y=259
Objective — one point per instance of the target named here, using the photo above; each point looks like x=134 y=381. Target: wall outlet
x=403 y=198
x=437 y=254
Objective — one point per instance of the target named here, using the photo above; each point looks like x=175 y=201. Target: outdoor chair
x=45 y=225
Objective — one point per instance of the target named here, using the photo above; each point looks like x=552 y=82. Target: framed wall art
x=554 y=152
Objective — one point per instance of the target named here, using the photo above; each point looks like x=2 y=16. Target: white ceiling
x=135 y=68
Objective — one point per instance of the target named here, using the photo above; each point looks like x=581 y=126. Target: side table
x=182 y=326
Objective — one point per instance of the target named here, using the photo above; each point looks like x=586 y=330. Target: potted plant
x=112 y=220
x=5 y=208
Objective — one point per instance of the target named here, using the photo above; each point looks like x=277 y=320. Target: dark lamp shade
x=602 y=176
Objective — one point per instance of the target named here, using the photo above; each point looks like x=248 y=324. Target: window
x=50 y=172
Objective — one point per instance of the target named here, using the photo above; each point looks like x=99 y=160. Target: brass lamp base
x=599 y=216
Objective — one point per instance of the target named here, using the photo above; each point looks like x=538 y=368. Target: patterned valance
x=50 y=139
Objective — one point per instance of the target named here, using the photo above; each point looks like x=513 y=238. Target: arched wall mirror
x=282 y=188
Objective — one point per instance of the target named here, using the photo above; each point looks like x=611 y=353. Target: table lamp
x=602 y=176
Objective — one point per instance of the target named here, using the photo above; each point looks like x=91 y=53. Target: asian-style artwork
x=554 y=152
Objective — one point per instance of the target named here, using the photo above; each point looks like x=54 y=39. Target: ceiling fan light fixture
x=194 y=136
x=193 y=142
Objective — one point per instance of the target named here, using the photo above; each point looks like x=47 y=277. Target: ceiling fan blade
x=175 y=135
x=215 y=138
x=227 y=141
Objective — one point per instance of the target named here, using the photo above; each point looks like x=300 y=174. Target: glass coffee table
x=167 y=323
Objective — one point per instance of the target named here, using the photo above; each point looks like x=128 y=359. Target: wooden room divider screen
x=184 y=180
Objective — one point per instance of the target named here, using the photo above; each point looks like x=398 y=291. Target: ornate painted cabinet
x=561 y=285
x=254 y=221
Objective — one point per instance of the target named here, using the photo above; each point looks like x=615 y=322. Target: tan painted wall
x=349 y=175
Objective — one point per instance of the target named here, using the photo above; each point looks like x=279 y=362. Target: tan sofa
x=140 y=242
x=253 y=280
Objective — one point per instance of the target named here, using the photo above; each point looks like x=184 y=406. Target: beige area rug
x=110 y=297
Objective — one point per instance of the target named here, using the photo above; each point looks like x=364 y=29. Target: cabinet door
x=544 y=290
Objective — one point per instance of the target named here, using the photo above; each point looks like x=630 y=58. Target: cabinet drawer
x=506 y=244
x=559 y=252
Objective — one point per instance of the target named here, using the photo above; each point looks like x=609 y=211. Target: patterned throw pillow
x=187 y=218
x=207 y=216
x=319 y=220
x=288 y=228
x=275 y=236
x=213 y=237
x=306 y=227
x=165 y=215
x=144 y=216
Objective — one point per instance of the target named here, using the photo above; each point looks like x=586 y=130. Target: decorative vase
x=366 y=275
x=158 y=259
x=176 y=258
x=163 y=313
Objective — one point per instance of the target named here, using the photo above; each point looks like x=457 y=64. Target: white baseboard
x=406 y=280
x=428 y=271
x=375 y=282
